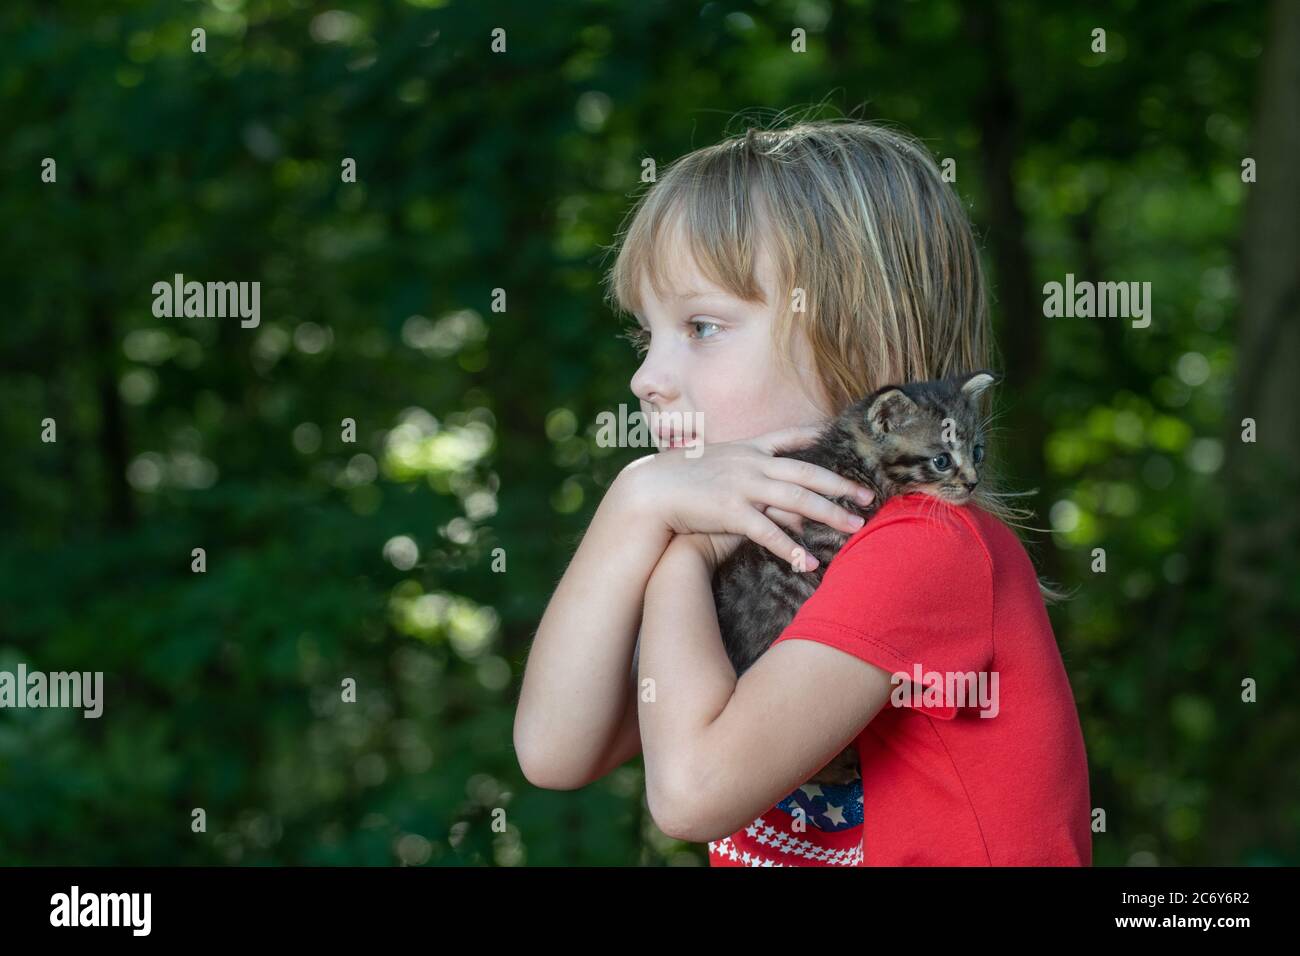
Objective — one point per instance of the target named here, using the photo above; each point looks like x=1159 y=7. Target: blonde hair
x=858 y=217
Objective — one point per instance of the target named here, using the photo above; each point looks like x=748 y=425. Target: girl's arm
x=576 y=719
x=719 y=752
x=577 y=715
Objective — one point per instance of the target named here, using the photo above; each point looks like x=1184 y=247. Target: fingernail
x=857 y=520
x=866 y=495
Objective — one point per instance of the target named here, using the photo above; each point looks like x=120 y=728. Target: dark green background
x=475 y=429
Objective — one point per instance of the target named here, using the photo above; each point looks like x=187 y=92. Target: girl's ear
x=977 y=382
x=890 y=410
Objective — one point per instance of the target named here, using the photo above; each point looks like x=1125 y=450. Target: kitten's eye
x=941 y=462
x=978 y=453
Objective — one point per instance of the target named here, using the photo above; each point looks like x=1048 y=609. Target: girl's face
x=710 y=372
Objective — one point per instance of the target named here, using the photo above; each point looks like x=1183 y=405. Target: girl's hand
x=740 y=488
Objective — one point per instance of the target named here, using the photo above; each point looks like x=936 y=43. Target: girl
x=775 y=278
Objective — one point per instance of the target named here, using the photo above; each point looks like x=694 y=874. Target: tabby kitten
x=922 y=436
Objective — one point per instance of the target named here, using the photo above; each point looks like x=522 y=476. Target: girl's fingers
x=792 y=521
x=801 y=501
x=821 y=480
x=764 y=533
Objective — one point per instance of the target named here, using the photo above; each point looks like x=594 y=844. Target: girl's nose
x=653 y=385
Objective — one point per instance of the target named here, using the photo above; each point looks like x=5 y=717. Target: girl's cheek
x=738 y=398
x=728 y=420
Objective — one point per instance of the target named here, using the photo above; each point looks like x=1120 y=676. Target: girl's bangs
x=688 y=212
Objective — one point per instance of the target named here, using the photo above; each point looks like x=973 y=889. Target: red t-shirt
x=952 y=590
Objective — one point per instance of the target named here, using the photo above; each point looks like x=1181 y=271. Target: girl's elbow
x=698 y=808
x=683 y=822
x=546 y=776
x=674 y=806
x=542 y=770
x=671 y=816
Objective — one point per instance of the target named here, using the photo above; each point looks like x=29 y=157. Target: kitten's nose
x=970 y=485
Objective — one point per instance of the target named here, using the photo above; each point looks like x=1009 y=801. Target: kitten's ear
x=976 y=383
x=890 y=409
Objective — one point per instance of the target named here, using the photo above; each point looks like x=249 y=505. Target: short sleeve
x=911 y=593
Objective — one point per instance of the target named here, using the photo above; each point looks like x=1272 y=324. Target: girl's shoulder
x=936 y=535
x=924 y=516
x=940 y=530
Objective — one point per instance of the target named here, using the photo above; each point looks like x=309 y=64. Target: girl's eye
x=941 y=462
x=695 y=323
x=640 y=337
x=978 y=453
